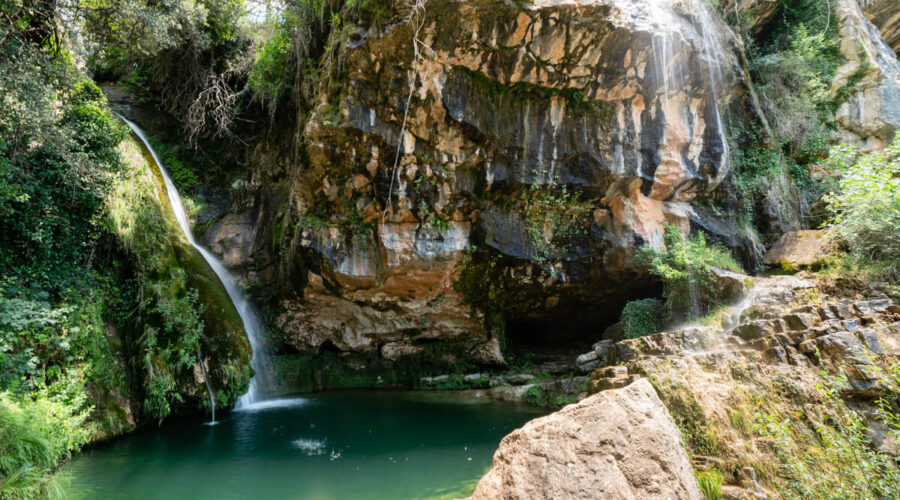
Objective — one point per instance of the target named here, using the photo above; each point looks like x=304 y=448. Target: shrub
x=534 y=396
x=684 y=266
x=36 y=433
x=641 y=317
x=553 y=215
x=865 y=209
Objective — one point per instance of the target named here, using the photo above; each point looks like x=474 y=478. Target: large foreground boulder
x=616 y=444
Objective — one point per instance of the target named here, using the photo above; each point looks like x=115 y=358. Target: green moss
x=688 y=415
x=522 y=91
x=172 y=270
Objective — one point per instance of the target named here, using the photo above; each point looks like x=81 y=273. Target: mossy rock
x=224 y=342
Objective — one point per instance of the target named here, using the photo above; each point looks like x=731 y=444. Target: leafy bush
x=270 y=78
x=36 y=433
x=794 y=85
x=865 y=209
x=641 y=317
x=684 y=267
x=553 y=215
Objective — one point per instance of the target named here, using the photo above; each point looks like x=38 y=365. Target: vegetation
x=553 y=217
x=485 y=284
x=865 y=208
x=641 y=317
x=835 y=459
x=710 y=482
x=774 y=155
x=57 y=161
x=99 y=312
x=684 y=266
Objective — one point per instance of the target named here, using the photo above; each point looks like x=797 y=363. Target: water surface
x=334 y=445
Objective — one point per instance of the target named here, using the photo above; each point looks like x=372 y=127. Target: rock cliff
x=552 y=138
x=461 y=183
x=884 y=15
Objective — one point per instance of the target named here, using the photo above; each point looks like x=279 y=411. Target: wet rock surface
x=617 y=101
x=884 y=15
x=871 y=114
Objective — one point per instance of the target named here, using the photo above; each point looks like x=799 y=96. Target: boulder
x=616 y=444
x=520 y=379
x=730 y=285
x=799 y=249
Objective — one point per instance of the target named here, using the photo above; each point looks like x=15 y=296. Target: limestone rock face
x=617 y=444
x=871 y=115
x=886 y=16
x=617 y=101
x=237 y=240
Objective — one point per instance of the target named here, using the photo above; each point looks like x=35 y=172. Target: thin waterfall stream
x=260 y=361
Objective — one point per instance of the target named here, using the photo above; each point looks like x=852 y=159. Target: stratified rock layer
x=617 y=100
x=617 y=444
x=871 y=75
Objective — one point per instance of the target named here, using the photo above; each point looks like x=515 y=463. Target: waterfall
x=262 y=367
x=212 y=398
x=670 y=72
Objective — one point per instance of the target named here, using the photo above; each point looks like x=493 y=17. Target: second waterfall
x=260 y=362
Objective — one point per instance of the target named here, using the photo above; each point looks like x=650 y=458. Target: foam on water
x=271 y=404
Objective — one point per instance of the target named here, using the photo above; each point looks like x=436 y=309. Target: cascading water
x=260 y=362
x=671 y=71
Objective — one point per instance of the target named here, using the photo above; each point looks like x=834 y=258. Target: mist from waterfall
x=261 y=360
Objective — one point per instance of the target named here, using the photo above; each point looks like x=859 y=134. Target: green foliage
x=793 y=84
x=641 y=317
x=865 y=208
x=270 y=78
x=183 y=176
x=57 y=156
x=684 y=266
x=485 y=284
x=86 y=261
x=553 y=216
x=534 y=395
x=36 y=432
x=838 y=459
x=710 y=482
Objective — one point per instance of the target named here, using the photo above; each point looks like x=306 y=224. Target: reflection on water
x=335 y=445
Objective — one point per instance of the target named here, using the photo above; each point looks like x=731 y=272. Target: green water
x=334 y=445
